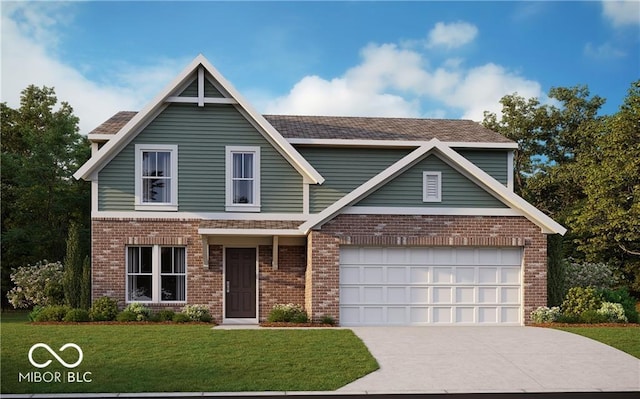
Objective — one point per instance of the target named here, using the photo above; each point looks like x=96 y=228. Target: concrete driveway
x=491 y=359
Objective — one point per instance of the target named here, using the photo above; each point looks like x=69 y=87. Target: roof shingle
x=357 y=128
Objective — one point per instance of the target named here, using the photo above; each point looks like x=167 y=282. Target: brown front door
x=241 y=283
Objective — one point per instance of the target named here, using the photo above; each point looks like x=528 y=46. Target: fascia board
x=285 y=148
x=548 y=225
x=369 y=186
x=396 y=143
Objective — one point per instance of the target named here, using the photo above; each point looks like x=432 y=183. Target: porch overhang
x=254 y=228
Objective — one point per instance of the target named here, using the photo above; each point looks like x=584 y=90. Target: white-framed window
x=431 y=187
x=156 y=174
x=243 y=179
x=156 y=274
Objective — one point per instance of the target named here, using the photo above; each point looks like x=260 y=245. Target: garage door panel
x=430 y=286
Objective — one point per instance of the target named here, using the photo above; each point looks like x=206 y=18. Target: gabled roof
x=198 y=67
x=455 y=160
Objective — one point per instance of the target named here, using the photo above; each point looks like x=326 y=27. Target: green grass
x=627 y=339
x=183 y=358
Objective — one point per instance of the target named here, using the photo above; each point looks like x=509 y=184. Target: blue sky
x=411 y=59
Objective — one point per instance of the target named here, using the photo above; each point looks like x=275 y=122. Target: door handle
x=227 y=287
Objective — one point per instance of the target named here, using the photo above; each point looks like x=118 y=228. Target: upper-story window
x=431 y=186
x=243 y=179
x=156 y=177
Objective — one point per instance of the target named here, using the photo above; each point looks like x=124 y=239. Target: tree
x=41 y=148
x=608 y=221
x=73 y=269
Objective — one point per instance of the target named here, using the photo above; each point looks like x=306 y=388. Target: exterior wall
x=494 y=162
x=406 y=189
x=344 y=169
x=322 y=296
x=285 y=285
x=201 y=135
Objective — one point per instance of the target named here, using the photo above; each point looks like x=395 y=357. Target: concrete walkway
x=491 y=359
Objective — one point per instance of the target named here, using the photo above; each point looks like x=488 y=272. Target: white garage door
x=424 y=286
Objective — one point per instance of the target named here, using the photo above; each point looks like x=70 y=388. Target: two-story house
x=200 y=199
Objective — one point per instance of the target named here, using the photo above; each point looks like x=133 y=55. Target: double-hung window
x=431 y=186
x=156 y=274
x=243 y=179
x=156 y=174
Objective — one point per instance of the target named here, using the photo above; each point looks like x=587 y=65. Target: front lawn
x=627 y=339
x=179 y=358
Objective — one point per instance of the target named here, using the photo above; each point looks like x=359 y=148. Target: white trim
x=397 y=143
x=196 y=100
x=94 y=193
x=510 y=171
x=391 y=210
x=437 y=197
x=146 y=115
x=229 y=205
x=200 y=86
x=251 y=320
x=100 y=137
x=305 y=198
x=274 y=253
x=466 y=167
x=198 y=215
x=251 y=232
x=139 y=205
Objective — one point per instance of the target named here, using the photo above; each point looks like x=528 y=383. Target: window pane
x=179 y=263
x=133 y=260
x=237 y=166
x=140 y=288
x=148 y=163
x=248 y=166
x=243 y=192
x=164 y=164
x=173 y=288
x=145 y=260
x=166 y=260
x=156 y=190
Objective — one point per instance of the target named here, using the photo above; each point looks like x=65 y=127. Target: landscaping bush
x=141 y=311
x=35 y=312
x=181 y=318
x=545 y=315
x=126 y=316
x=586 y=274
x=613 y=312
x=197 y=313
x=328 y=320
x=579 y=300
x=77 y=316
x=40 y=284
x=52 y=313
x=104 y=309
x=164 y=315
x=289 y=313
x=593 y=317
x=564 y=318
x=622 y=297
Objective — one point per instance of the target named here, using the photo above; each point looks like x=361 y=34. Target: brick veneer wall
x=284 y=285
x=322 y=291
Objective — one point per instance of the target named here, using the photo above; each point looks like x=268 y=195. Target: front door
x=240 y=286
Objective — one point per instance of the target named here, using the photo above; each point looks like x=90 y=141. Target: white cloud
x=30 y=34
x=451 y=35
x=603 y=51
x=621 y=13
x=391 y=81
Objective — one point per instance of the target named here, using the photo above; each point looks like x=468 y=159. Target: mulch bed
x=286 y=324
x=551 y=325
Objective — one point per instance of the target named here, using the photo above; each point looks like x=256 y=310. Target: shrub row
x=590 y=305
x=106 y=309
x=292 y=313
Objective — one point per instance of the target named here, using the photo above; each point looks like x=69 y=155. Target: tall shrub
x=73 y=269
x=555 y=270
x=40 y=284
x=85 y=297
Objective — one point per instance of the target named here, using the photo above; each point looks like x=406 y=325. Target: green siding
x=494 y=162
x=406 y=189
x=201 y=134
x=344 y=169
x=210 y=90
x=191 y=90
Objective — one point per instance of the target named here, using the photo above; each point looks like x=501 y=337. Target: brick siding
x=322 y=296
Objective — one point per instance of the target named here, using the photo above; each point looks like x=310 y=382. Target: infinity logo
x=58 y=358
